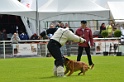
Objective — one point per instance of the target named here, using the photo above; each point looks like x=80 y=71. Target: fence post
x=45 y=49
x=4 y=49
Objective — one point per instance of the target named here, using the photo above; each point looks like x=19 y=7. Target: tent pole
x=37 y=18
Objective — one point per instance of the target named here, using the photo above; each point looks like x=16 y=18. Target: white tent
x=34 y=24
x=116 y=9
x=14 y=7
x=104 y=3
x=66 y=10
x=75 y=6
x=37 y=3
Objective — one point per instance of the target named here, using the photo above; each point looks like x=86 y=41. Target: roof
x=14 y=7
x=70 y=6
x=116 y=9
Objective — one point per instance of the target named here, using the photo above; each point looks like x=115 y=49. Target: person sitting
x=15 y=38
x=4 y=34
x=34 y=37
x=109 y=28
x=23 y=36
x=102 y=27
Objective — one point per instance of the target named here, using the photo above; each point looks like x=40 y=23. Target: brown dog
x=73 y=66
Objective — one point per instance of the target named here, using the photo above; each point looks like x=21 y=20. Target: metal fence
x=7 y=50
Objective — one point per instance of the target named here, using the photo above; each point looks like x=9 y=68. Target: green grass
x=107 y=69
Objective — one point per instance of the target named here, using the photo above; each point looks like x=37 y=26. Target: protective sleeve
x=74 y=37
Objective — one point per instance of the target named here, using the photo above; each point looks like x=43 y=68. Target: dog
x=72 y=66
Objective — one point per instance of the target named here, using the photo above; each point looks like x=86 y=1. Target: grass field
x=107 y=69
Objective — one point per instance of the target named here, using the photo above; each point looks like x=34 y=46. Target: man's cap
x=83 y=21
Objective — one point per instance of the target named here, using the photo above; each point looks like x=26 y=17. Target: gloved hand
x=84 y=40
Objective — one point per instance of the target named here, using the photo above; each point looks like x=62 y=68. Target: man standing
x=85 y=33
x=59 y=38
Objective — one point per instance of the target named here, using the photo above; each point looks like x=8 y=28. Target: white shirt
x=63 y=35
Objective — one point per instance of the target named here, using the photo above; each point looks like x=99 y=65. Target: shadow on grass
x=48 y=77
x=52 y=77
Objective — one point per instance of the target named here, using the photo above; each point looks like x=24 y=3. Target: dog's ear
x=85 y=67
x=66 y=59
x=63 y=57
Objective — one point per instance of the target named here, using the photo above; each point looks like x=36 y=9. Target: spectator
x=23 y=36
x=58 y=25
x=34 y=37
x=67 y=26
x=15 y=38
x=4 y=34
x=109 y=28
x=62 y=25
x=85 y=33
x=102 y=27
x=51 y=26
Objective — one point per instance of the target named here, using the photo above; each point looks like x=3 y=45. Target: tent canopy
x=14 y=7
x=59 y=7
x=103 y=3
x=70 y=6
x=116 y=9
x=74 y=10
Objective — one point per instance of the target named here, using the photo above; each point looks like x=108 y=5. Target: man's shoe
x=60 y=71
x=55 y=71
x=92 y=66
